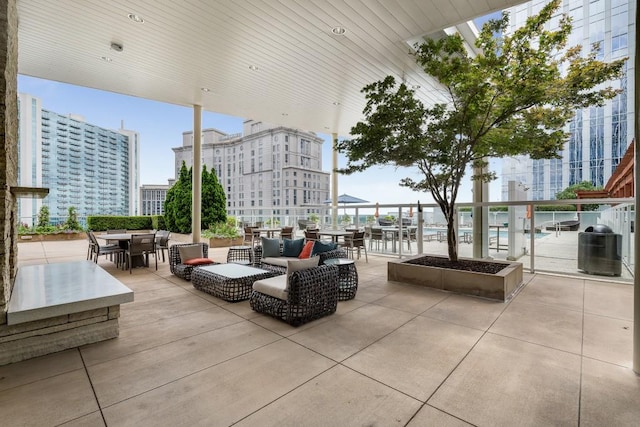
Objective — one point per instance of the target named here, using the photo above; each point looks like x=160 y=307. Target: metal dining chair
x=141 y=245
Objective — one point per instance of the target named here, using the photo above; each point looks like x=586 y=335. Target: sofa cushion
x=198 y=261
x=320 y=247
x=273 y=286
x=280 y=261
x=270 y=247
x=306 y=251
x=188 y=252
x=291 y=247
x=300 y=264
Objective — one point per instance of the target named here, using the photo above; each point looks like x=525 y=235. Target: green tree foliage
x=43 y=217
x=570 y=193
x=177 y=205
x=214 y=200
x=513 y=98
x=72 y=219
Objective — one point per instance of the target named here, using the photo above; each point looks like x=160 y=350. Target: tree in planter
x=570 y=193
x=214 y=200
x=43 y=225
x=72 y=220
x=510 y=99
x=178 y=203
x=43 y=217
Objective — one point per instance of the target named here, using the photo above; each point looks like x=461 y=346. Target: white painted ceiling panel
x=307 y=77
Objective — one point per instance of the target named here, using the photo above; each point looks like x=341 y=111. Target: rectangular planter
x=52 y=237
x=500 y=286
x=224 y=243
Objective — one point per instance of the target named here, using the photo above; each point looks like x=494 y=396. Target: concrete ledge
x=49 y=290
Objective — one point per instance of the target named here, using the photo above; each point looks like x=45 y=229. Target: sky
x=161 y=125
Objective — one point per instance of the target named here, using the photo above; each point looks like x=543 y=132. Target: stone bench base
x=55 y=307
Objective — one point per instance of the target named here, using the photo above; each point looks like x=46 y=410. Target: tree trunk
x=452 y=239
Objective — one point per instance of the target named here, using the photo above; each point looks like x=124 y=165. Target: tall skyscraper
x=93 y=169
x=599 y=136
x=264 y=169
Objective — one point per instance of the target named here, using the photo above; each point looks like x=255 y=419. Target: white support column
x=334 y=181
x=196 y=212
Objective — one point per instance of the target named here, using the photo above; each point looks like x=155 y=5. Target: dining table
x=269 y=232
x=335 y=234
x=394 y=233
x=123 y=241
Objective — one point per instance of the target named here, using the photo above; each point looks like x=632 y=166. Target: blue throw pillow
x=320 y=247
x=292 y=248
x=270 y=247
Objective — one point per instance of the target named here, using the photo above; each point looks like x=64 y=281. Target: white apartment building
x=93 y=169
x=264 y=170
x=152 y=199
x=599 y=136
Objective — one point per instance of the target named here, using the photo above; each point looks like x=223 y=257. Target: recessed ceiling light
x=205 y=89
x=106 y=58
x=284 y=114
x=136 y=18
x=338 y=31
x=253 y=67
x=415 y=87
x=336 y=103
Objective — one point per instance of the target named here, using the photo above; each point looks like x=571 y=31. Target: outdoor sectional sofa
x=278 y=264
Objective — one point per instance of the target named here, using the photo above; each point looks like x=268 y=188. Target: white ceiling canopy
x=300 y=63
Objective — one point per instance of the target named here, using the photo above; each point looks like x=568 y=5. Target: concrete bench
x=54 y=307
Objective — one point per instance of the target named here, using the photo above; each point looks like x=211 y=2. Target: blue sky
x=161 y=125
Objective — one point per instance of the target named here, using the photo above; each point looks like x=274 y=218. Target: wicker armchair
x=313 y=293
x=175 y=263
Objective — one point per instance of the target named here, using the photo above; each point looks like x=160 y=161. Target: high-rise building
x=263 y=170
x=599 y=136
x=93 y=169
x=152 y=199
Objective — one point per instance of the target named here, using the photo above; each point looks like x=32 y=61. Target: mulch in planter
x=462 y=264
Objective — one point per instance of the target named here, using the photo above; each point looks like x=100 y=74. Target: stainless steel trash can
x=599 y=251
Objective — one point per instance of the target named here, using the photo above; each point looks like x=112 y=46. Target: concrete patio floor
x=559 y=353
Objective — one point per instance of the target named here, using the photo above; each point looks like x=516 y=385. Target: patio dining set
x=129 y=250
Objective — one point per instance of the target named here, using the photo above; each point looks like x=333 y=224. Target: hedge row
x=103 y=223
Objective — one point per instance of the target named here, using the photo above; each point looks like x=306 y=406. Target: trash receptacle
x=599 y=251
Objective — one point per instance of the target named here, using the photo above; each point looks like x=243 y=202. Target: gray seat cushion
x=273 y=286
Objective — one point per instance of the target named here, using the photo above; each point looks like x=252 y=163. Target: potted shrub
x=222 y=234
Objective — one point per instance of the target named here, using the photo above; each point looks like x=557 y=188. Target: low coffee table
x=231 y=282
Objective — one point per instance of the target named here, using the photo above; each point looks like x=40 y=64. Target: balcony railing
x=552 y=247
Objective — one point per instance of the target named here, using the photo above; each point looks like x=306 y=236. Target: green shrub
x=551 y=208
x=157 y=222
x=102 y=223
x=221 y=230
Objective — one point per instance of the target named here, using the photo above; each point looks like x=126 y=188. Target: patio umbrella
x=346 y=198
x=376 y=214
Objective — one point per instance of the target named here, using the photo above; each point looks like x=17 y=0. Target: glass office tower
x=598 y=136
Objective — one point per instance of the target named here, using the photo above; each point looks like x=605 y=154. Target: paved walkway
x=558 y=354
